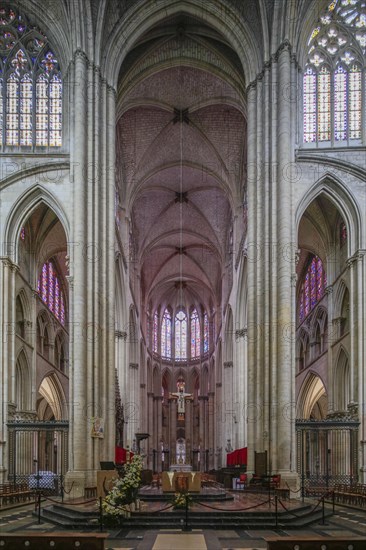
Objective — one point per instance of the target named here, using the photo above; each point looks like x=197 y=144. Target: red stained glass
x=50 y=291
x=343 y=233
x=312 y=288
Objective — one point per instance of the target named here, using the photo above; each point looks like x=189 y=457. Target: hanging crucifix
x=181 y=398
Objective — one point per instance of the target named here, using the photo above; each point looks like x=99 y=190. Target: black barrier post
x=276 y=510
x=39 y=507
x=333 y=501
x=101 y=514
x=62 y=488
x=323 y=512
x=186 y=528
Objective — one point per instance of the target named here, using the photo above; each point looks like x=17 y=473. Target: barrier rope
x=72 y=503
x=68 y=492
x=117 y=506
x=292 y=490
x=236 y=509
x=303 y=515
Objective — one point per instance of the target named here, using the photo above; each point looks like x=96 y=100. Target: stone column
x=284 y=444
x=188 y=431
x=173 y=430
x=7 y=334
x=80 y=440
x=329 y=293
x=252 y=280
x=210 y=438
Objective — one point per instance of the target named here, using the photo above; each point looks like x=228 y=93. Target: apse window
x=30 y=85
x=334 y=81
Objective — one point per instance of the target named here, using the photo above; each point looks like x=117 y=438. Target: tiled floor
x=345 y=522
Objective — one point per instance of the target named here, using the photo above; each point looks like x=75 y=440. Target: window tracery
x=312 y=288
x=334 y=81
x=49 y=289
x=30 y=85
x=180 y=327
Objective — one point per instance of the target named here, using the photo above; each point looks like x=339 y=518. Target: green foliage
x=124 y=491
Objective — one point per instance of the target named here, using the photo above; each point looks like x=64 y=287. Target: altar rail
x=315 y=543
x=41 y=541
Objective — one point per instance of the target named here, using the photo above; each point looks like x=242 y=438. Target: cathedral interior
x=183 y=233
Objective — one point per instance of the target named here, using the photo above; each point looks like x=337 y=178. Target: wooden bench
x=41 y=541
x=11 y=494
x=315 y=543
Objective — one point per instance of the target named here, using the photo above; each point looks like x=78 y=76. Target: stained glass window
x=195 y=335
x=333 y=85
x=312 y=288
x=324 y=105
x=31 y=96
x=22 y=233
x=340 y=103
x=155 y=332
x=355 y=102
x=49 y=288
x=166 y=335
x=206 y=333
x=343 y=233
x=309 y=105
x=180 y=327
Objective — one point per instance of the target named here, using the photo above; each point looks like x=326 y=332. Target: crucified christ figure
x=181 y=396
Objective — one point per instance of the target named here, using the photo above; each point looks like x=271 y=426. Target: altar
x=180 y=468
x=171 y=481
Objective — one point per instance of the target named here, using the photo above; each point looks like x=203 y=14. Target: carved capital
x=134 y=366
x=120 y=334
x=228 y=365
x=241 y=333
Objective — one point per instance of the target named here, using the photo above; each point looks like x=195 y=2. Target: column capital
x=134 y=366
x=228 y=365
x=120 y=334
x=241 y=333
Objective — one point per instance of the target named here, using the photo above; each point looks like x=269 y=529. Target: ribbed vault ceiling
x=181 y=139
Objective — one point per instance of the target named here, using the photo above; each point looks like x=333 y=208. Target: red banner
x=237 y=457
x=121 y=455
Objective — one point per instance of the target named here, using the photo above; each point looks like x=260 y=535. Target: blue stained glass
x=166 y=335
x=181 y=335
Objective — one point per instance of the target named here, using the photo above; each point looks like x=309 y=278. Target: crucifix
x=181 y=397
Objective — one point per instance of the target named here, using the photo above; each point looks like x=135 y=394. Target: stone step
x=67 y=517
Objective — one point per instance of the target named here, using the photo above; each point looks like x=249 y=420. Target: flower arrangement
x=180 y=500
x=124 y=492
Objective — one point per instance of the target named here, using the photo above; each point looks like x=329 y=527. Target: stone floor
x=345 y=522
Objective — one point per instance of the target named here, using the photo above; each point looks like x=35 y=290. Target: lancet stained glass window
x=312 y=288
x=334 y=81
x=166 y=335
x=49 y=288
x=155 y=332
x=180 y=335
x=206 y=333
x=31 y=92
x=195 y=335
x=343 y=233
